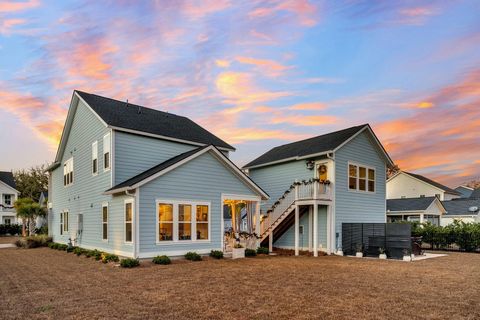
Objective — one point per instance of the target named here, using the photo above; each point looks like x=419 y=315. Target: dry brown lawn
x=45 y=284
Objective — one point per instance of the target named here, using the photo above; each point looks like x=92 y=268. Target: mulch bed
x=48 y=284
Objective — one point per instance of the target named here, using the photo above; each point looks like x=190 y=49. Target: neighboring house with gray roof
x=465 y=191
x=8 y=196
x=475 y=194
x=139 y=182
x=466 y=210
x=421 y=209
x=410 y=185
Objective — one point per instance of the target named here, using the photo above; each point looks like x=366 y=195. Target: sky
x=257 y=74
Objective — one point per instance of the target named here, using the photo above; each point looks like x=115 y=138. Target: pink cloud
x=265 y=66
x=14 y=6
x=305 y=12
x=199 y=9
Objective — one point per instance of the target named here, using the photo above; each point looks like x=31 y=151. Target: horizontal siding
x=287 y=240
x=276 y=179
x=85 y=196
x=135 y=154
x=203 y=179
x=359 y=206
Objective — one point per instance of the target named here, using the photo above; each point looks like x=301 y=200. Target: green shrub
x=262 y=250
x=42 y=230
x=217 y=254
x=78 y=251
x=107 y=257
x=250 y=253
x=88 y=253
x=129 y=263
x=161 y=260
x=70 y=248
x=193 y=256
x=10 y=229
x=33 y=241
x=62 y=247
x=51 y=245
x=97 y=255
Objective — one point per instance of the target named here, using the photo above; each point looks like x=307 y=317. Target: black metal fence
x=394 y=238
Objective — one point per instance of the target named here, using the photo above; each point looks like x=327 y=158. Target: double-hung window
x=7 y=199
x=179 y=221
x=128 y=221
x=63 y=222
x=68 y=172
x=361 y=178
x=106 y=152
x=95 y=158
x=105 y=221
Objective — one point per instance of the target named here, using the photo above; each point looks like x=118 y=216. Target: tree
x=473 y=184
x=391 y=171
x=28 y=210
x=32 y=182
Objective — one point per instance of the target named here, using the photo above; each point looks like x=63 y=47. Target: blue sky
x=257 y=74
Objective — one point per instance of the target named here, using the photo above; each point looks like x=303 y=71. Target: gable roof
x=410 y=204
x=303 y=149
x=179 y=160
x=122 y=115
x=460 y=207
x=475 y=194
x=434 y=183
x=7 y=178
x=465 y=191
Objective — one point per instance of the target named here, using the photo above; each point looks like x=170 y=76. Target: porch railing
x=304 y=190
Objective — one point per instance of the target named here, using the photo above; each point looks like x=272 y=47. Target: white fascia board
x=289 y=159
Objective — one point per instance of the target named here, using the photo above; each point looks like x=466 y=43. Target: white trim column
x=422 y=217
x=297 y=229
x=310 y=228
x=315 y=230
x=270 y=241
x=257 y=221
x=329 y=229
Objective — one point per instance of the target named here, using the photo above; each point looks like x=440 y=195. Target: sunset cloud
x=265 y=66
x=14 y=6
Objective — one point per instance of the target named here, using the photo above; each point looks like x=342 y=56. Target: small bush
x=33 y=242
x=70 y=249
x=10 y=229
x=62 y=247
x=88 y=253
x=97 y=255
x=262 y=250
x=250 y=253
x=107 y=257
x=161 y=260
x=129 y=263
x=51 y=245
x=217 y=254
x=193 y=256
x=78 y=251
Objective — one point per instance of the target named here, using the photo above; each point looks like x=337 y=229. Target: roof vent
x=473 y=209
x=126 y=105
x=139 y=110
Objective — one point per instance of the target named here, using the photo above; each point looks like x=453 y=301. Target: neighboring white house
x=465 y=191
x=422 y=210
x=409 y=185
x=8 y=196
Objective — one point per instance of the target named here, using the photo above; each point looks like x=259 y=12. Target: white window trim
x=105 y=204
x=64 y=226
x=125 y=221
x=95 y=148
x=175 y=204
x=73 y=173
x=109 y=152
x=357 y=190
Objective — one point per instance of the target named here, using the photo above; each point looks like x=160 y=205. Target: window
x=7 y=199
x=165 y=222
x=8 y=221
x=68 y=172
x=361 y=178
x=95 y=158
x=182 y=221
x=105 y=221
x=202 y=222
x=106 y=152
x=63 y=222
x=300 y=229
x=422 y=196
x=128 y=220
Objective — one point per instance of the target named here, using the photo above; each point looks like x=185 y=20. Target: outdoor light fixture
x=310 y=164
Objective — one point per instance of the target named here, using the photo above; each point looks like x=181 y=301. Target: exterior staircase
x=298 y=192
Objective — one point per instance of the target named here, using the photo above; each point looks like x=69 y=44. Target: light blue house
x=138 y=182
x=317 y=184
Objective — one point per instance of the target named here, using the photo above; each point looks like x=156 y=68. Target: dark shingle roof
x=434 y=183
x=475 y=194
x=409 y=204
x=458 y=207
x=162 y=166
x=7 y=178
x=465 y=191
x=120 y=114
x=323 y=143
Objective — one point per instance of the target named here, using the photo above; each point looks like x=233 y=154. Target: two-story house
x=317 y=184
x=139 y=182
x=8 y=196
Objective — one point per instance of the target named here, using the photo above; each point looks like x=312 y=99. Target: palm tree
x=28 y=210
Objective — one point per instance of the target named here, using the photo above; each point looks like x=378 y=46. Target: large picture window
x=361 y=178
x=128 y=221
x=179 y=221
